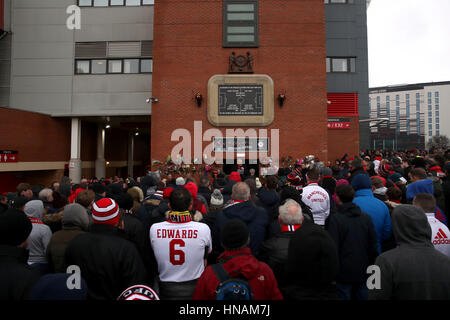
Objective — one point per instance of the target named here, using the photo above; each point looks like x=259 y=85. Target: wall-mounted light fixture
x=152 y=99
x=108 y=125
x=137 y=132
x=199 y=98
x=281 y=98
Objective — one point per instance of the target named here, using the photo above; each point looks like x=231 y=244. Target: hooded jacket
x=255 y=218
x=414 y=270
x=356 y=241
x=75 y=221
x=40 y=234
x=375 y=208
x=259 y=275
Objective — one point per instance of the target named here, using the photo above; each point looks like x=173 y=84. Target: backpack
x=231 y=288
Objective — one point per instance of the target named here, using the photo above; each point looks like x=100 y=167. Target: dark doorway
x=228 y=168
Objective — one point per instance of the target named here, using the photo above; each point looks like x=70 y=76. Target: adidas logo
x=441 y=238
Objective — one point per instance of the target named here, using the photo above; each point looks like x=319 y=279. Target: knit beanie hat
x=192 y=188
x=15 y=227
x=216 y=198
x=361 y=181
x=180 y=181
x=234 y=234
x=75 y=215
x=105 y=211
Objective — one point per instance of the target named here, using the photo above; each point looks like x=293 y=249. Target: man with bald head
x=242 y=208
x=274 y=251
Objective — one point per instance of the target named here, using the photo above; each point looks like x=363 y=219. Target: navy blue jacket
x=255 y=218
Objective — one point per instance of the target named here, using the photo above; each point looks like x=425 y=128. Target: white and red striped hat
x=105 y=211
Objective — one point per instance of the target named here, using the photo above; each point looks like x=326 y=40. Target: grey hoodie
x=75 y=216
x=40 y=234
x=414 y=270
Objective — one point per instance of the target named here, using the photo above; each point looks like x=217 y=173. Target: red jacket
x=259 y=275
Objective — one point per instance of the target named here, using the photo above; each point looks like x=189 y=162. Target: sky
x=408 y=41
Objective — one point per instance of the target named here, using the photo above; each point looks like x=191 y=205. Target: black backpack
x=231 y=288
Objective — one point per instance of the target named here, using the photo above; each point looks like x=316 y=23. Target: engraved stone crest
x=240 y=64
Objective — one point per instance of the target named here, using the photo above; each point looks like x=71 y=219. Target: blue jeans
x=353 y=291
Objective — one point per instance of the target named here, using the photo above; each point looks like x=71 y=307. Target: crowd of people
x=311 y=232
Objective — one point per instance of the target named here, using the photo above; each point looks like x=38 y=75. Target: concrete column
x=75 y=151
x=100 y=163
x=130 y=154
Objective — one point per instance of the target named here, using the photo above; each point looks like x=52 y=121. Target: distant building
x=414 y=112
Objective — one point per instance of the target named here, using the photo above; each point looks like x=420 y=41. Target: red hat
x=105 y=211
x=192 y=188
x=235 y=176
x=167 y=192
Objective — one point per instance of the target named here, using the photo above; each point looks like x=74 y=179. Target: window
x=85 y=3
x=83 y=67
x=240 y=27
x=437 y=132
x=341 y=64
x=146 y=65
x=98 y=66
x=131 y=66
x=133 y=2
x=114 y=3
x=115 y=66
x=100 y=3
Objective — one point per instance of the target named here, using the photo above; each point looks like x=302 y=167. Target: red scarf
x=290 y=227
x=35 y=220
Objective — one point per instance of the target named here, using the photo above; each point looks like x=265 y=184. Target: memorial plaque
x=241 y=144
x=241 y=100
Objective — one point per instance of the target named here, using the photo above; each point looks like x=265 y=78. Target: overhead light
x=108 y=126
x=151 y=100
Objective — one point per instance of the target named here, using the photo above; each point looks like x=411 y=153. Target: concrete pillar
x=100 y=163
x=130 y=154
x=75 y=151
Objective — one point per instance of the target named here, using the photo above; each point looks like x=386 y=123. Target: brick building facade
x=291 y=50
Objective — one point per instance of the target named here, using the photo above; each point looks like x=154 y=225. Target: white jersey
x=440 y=235
x=179 y=249
x=318 y=200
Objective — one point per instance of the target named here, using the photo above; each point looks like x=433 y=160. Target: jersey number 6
x=176 y=255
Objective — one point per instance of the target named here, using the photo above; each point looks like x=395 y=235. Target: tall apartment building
x=414 y=111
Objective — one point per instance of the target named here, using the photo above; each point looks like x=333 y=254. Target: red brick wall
x=188 y=51
x=37 y=137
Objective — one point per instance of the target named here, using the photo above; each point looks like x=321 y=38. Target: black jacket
x=356 y=241
x=108 y=262
x=16 y=277
x=206 y=193
x=274 y=252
